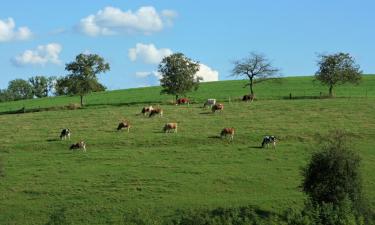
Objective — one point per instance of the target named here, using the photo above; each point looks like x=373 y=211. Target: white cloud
x=148 y=53
x=111 y=20
x=8 y=31
x=207 y=73
x=168 y=16
x=148 y=74
x=42 y=55
x=142 y=74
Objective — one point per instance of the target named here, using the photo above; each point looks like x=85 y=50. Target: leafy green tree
x=41 y=85
x=333 y=173
x=254 y=66
x=5 y=95
x=336 y=69
x=178 y=75
x=83 y=75
x=20 y=89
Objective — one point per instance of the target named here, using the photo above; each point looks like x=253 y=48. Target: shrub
x=333 y=173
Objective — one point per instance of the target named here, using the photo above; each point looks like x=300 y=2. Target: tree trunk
x=81 y=100
x=251 y=86
x=331 y=91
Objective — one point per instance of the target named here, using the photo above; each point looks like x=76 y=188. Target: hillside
x=300 y=87
x=157 y=173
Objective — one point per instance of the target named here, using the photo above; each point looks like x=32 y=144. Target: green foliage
x=247 y=215
x=20 y=89
x=333 y=173
x=5 y=95
x=83 y=75
x=325 y=214
x=178 y=74
x=254 y=66
x=337 y=69
x=41 y=85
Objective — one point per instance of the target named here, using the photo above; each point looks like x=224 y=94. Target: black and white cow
x=267 y=140
x=65 y=133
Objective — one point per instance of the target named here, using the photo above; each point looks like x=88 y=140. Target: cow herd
x=150 y=111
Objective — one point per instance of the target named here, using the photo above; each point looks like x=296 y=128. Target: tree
x=254 y=66
x=41 y=85
x=5 y=95
x=333 y=173
x=83 y=78
x=178 y=74
x=337 y=69
x=20 y=89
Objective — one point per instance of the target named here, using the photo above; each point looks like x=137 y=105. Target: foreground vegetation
x=152 y=174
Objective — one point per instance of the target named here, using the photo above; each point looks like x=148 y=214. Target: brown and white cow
x=217 y=107
x=168 y=127
x=248 y=98
x=124 y=124
x=79 y=145
x=156 y=111
x=147 y=109
x=227 y=132
x=182 y=101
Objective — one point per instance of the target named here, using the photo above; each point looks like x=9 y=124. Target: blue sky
x=38 y=37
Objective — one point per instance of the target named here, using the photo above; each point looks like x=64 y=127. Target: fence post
x=229 y=100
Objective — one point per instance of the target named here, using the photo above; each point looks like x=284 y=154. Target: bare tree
x=254 y=66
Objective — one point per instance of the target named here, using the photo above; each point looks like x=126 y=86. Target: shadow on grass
x=258 y=147
x=53 y=139
x=145 y=103
x=215 y=137
x=205 y=113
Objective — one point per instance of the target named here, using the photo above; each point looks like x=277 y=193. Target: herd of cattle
x=150 y=111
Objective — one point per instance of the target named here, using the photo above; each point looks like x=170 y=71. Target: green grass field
x=159 y=173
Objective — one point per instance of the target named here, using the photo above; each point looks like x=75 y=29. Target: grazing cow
x=227 y=132
x=267 y=140
x=182 y=101
x=123 y=124
x=168 y=127
x=247 y=98
x=147 y=109
x=65 y=133
x=217 y=107
x=210 y=102
x=79 y=145
x=156 y=111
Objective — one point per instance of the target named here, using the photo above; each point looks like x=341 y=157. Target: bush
x=333 y=173
x=324 y=214
x=333 y=183
x=225 y=216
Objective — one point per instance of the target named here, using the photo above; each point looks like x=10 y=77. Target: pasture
x=158 y=173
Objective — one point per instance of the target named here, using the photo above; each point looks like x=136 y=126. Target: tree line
x=80 y=81
x=178 y=75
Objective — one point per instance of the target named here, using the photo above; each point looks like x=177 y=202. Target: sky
x=39 y=37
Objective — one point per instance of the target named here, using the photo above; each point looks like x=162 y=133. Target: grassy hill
x=299 y=87
x=158 y=173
